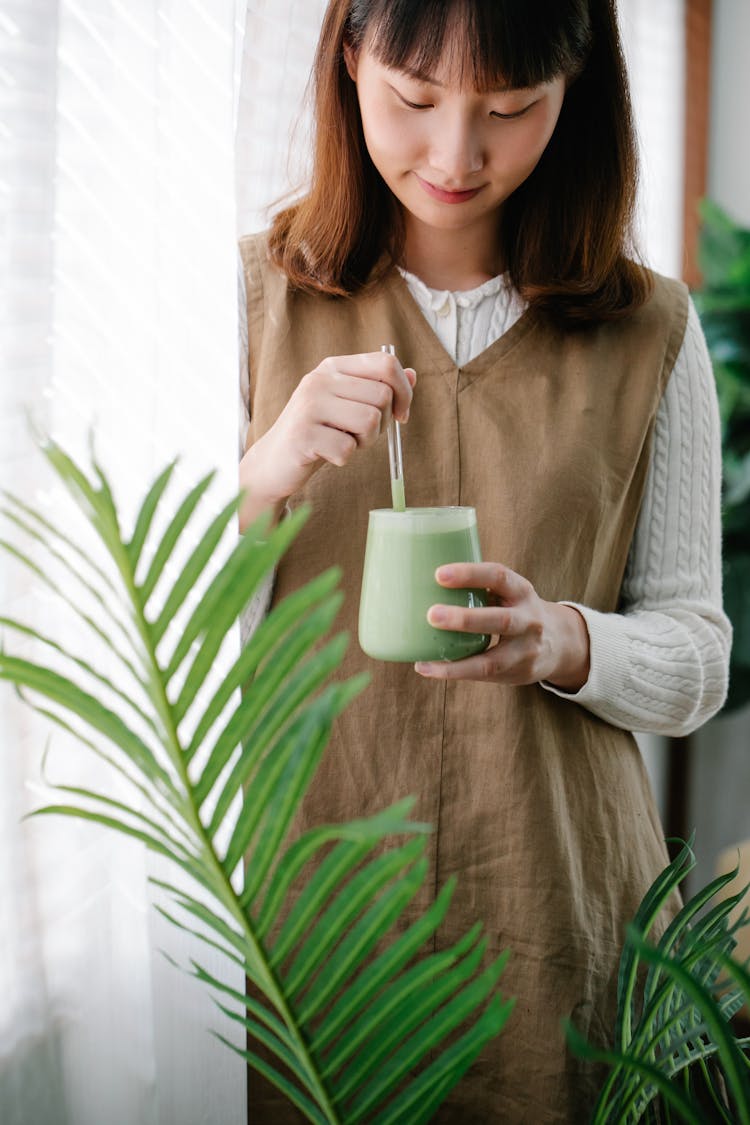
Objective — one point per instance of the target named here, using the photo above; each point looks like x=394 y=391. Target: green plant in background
x=349 y=1028
x=674 y=1052
x=723 y=304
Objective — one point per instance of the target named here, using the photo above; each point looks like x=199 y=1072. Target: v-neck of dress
x=431 y=343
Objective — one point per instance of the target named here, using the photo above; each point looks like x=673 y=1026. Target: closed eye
x=493 y=113
x=414 y=105
x=511 y=116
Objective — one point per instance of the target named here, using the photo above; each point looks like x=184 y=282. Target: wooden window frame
x=698 y=15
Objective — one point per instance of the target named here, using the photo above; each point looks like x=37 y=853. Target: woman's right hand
x=341 y=406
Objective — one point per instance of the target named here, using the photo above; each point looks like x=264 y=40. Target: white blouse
x=660 y=663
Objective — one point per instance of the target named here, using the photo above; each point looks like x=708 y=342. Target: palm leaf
x=731 y=1056
x=100 y=633
x=270 y=694
x=648 y=1072
x=53 y=533
x=391 y=821
x=150 y=794
x=37 y=531
x=678 y=926
x=341 y=1027
x=147 y=512
x=224 y=600
x=417 y=993
x=152 y=842
x=697 y=948
x=679 y=1022
x=65 y=693
x=165 y=548
x=343 y=912
x=191 y=572
x=384 y=1024
x=378 y=973
x=85 y=666
x=653 y=903
x=449 y=1017
x=290 y=1091
x=276 y=630
x=419 y=1102
x=200 y=935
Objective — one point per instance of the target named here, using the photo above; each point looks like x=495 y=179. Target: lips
x=445 y=196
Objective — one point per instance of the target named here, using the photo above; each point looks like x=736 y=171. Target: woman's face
x=451 y=156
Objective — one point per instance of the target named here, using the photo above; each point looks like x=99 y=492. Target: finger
x=382 y=367
x=480 y=667
x=353 y=388
x=506 y=663
x=332 y=445
x=503 y=581
x=497 y=620
x=357 y=418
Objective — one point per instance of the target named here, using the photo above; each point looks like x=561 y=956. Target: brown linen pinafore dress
x=542 y=810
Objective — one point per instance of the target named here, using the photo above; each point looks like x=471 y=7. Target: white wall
x=720 y=757
x=729 y=153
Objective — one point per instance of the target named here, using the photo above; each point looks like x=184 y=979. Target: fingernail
x=444 y=573
x=436 y=616
x=423 y=669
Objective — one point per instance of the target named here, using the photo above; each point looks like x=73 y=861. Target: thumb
x=411 y=375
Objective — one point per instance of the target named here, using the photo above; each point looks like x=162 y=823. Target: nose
x=456 y=152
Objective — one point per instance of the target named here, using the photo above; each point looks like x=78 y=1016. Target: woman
x=470 y=202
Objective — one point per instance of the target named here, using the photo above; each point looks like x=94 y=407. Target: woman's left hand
x=534 y=639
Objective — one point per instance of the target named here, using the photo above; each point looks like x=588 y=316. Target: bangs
x=485 y=44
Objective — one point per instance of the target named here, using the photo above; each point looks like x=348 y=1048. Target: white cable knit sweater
x=660 y=663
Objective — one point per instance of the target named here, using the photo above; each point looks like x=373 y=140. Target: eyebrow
x=420 y=76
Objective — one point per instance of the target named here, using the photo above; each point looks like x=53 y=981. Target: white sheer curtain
x=273 y=126
x=119 y=310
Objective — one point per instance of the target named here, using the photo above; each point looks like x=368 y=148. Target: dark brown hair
x=565 y=231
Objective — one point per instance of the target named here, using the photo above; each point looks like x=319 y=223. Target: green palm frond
x=675 y=1000
x=231 y=762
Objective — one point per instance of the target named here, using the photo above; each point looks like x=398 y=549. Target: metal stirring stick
x=398 y=494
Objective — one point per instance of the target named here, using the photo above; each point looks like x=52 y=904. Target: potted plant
x=674 y=1054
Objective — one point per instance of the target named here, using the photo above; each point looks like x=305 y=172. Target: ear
x=350 y=59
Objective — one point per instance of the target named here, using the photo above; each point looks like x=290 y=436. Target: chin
x=442 y=218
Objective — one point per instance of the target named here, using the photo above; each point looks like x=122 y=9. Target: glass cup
x=398 y=583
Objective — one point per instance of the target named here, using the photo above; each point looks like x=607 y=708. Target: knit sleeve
x=259 y=604
x=661 y=662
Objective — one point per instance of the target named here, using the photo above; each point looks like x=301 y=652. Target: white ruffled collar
x=464 y=298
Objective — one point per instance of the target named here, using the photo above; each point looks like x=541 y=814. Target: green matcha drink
x=397 y=494
x=398 y=584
